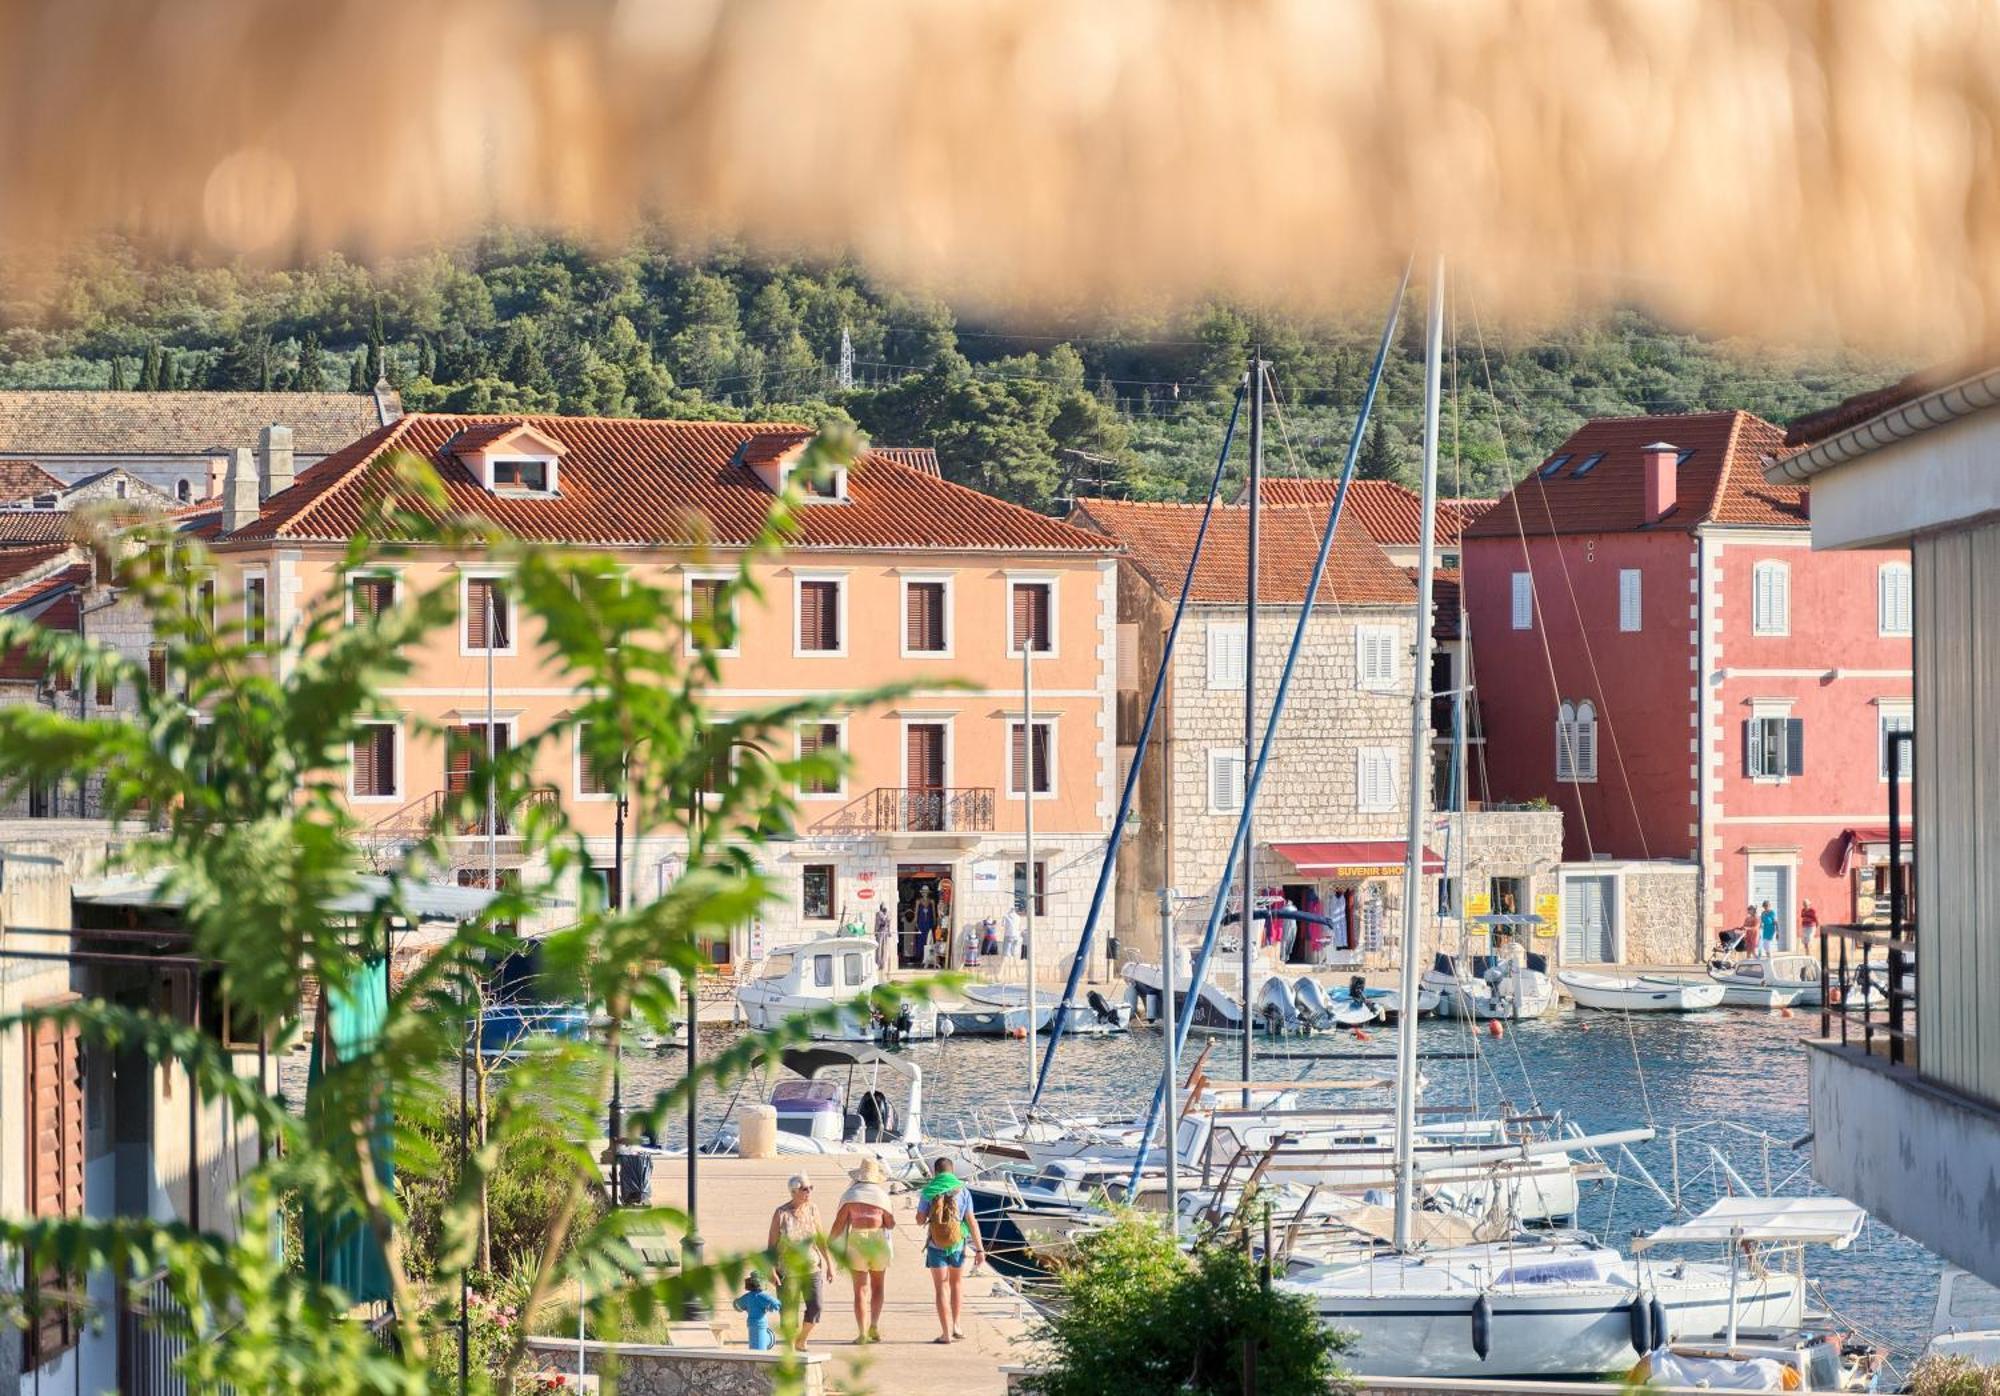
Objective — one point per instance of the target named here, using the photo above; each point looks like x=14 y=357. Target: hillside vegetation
x=515 y=322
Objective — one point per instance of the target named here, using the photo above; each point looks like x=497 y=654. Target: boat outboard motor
x=1357 y=988
x=1104 y=1011
x=1482 y=1326
x=878 y=1117
x=1314 y=1010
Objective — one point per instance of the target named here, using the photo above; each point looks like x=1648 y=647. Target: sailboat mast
x=1420 y=738
x=1249 y=877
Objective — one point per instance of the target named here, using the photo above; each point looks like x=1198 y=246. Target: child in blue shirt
x=757 y=1308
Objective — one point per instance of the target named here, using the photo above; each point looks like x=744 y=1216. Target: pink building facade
x=1657 y=652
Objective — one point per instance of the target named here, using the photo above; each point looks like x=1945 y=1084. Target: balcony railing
x=1868 y=985
x=422 y=815
x=890 y=809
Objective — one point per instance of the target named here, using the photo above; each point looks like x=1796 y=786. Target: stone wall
x=1662 y=921
x=649 y=1370
x=1493 y=851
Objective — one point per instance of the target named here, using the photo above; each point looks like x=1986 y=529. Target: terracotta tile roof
x=51 y=600
x=656 y=483
x=1722 y=481
x=54 y=422
x=1390 y=512
x=16 y=563
x=1816 y=427
x=33 y=528
x=1159 y=538
x=23 y=479
x=922 y=458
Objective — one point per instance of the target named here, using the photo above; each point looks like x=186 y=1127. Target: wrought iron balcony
x=422 y=815
x=892 y=809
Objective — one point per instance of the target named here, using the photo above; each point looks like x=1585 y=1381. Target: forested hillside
x=1034 y=412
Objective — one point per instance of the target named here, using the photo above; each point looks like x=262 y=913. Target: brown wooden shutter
x=374 y=595
x=926 y=756
x=156 y=668
x=926 y=616
x=819 y=616
x=461 y=752
x=814 y=738
x=54 y=1168
x=476 y=594
x=363 y=759
x=702 y=598
x=1031 y=615
x=1026 y=739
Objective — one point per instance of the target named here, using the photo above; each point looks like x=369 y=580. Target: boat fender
x=1660 y=1334
x=1482 y=1326
x=1103 y=1010
x=1493 y=1027
x=1642 y=1323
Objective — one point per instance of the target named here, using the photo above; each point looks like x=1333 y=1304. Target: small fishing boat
x=1493 y=987
x=844 y=1098
x=1639 y=993
x=1001 y=1010
x=822 y=974
x=1390 y=1002
x=517 y=1007
x=1967 y=1321
x=1215 y=1009
x=1353 y=1007
x=1767 y=981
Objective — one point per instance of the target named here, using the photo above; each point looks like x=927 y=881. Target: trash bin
x=756 y=1131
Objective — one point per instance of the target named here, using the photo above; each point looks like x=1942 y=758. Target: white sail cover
x=1826 y=1221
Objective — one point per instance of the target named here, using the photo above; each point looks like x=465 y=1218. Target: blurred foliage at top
x=1033 y=412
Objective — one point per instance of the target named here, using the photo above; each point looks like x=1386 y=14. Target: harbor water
x=1718 y=1078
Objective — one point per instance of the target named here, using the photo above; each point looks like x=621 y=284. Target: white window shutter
x=1225 y=780
x=1893 y=604
x=1782 y=605
x=1586 y=742
x=1226 y=654
x=1524 y=601
x=1628 y=599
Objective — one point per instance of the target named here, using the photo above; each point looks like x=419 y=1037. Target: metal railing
x=422 y=815
x=891 y=809
x=151 y=1338
x=1880 y=995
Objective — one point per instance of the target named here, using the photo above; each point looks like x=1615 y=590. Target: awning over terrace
x=1354 y=858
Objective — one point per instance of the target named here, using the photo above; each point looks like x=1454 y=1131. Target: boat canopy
x=833 y=1056
x=428 y=901
x=1826 y=1221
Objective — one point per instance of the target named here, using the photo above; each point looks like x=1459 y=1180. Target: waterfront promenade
x=737 y=1197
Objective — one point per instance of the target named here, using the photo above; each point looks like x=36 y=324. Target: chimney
x=1662 y=479
x=218 y=476
x=276 y=452
x=240 y=499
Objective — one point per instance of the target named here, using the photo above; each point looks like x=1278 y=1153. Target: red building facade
x=1657 y=651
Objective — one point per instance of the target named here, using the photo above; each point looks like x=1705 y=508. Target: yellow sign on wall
x=1548 y=906
x=1478 y=903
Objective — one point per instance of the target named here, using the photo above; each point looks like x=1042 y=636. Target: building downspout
x=1704 y=735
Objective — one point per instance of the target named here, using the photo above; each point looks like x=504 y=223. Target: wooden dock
x=736 y=1199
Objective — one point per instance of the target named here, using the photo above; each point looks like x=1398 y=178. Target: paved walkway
x=737 y=1197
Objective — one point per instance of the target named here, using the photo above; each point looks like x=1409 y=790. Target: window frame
x=1380 y=683
x=1883 y=628
x=838 y=580
x=1521 y=599
x=261 y=620
x=579 y=764
x=1219 y=756
x=1363 y=756
x=545 y=464
x=1572 y=717
x=1886 y=711
x=1779 y=712
x=692 y=575
x=1038 y=888
x=370 y=574
x=1780 y=573
x=1219 y=627
x=839 y=724
x=943 y=580
x=1048 y=580
x=1013 y=724
x=396 y=793
x=832 y=871
x=491 y=576
x=1631 y=600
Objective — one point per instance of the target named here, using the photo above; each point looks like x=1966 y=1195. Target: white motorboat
x=1767 y=981
x=823 y=974
x=1095 y=1016
x=1530 y=1308
x=1967 y=1321
x=1214 y=1010
x=1350 y=1008
x=1390 y=1002
x=1278 y=1009
x=1501 y=987
x=844 y=1099
x=1639 y=993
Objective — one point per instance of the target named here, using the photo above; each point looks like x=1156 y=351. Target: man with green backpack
x=944 y=1210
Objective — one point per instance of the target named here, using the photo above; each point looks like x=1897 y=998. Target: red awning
x=1853 y=841
x=1355 y=858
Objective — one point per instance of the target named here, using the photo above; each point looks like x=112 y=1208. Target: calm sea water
x=1712 y=1071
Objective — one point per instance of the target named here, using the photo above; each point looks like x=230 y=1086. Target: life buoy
x=1642 y=1323
x=1482 y=1326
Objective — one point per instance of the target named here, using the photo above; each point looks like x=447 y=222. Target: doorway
x=1588 y=928
x=923 y=903
x=1772 y=882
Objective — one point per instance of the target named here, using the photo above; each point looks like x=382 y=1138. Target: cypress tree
x=117 y=374
x=358 y=381
x=149 y=370
x=311 y=375
x=264 y=366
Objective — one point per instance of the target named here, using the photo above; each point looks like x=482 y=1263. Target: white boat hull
x=1528 y=995
x=770 y=1012
x=1640 y=993
x=1561 y=1333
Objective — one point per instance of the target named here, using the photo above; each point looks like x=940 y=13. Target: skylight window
x=1586 y=465
x=1555 y=464
x=1682 y=458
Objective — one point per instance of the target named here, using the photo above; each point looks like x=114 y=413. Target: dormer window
x=44 y=501
x=521 y=476
x=830 y=487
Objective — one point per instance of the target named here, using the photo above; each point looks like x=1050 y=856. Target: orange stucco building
x=894 y=575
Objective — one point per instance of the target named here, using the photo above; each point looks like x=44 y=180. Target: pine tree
x=311 y=376
x=358 y=381
x=1380 y=460
x=117 y=374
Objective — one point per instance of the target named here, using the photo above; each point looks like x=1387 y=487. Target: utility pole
x=1028 y=824
x=1249 y=875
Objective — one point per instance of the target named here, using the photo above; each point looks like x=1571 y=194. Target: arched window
x=1576 y=741
x=1771 y=599
x=184 y=491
